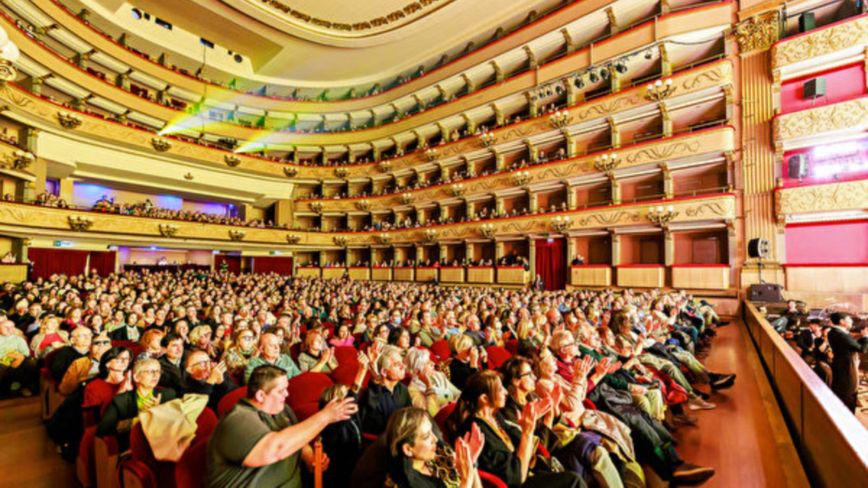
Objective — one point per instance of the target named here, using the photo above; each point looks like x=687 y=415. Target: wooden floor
x=745 y=441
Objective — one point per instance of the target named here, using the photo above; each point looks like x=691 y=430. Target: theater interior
x=676 y=188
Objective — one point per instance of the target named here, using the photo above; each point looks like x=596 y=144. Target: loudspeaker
x=758 y=248
x=798 y=166
x=807 y=22
x=814 y=88
x=765 y=293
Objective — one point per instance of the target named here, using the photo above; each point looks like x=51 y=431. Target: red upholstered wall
x=842 y=83
x=832 y=243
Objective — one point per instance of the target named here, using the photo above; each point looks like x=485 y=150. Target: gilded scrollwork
x=400 y=16
x=836 y=117
x=723 y=209
x=758 y=33
x=822 y=41
x=852 y=195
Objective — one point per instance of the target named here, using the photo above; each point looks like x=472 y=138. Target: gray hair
x=385 y=360
x=416 y=360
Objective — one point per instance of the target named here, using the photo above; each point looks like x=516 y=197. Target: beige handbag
x=171 y=427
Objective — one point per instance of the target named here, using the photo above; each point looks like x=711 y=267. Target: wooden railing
x=832 y=443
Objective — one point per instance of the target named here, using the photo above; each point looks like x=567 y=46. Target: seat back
x=134 y=347
x=205 y=424
x=348 y=366
x=440 y=419
x=512 y=346
x=441 y=350
x=497 y=356
x=491 y=481
x=190 y=470
x=304 y=392
x=230 y=399
x=140 y=450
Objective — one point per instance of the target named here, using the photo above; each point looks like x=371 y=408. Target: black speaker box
x=814 y=88
x=758 y=248
x=798 y=166
x=765 y=293
x=807 y=22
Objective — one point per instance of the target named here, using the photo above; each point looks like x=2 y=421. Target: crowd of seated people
x=594 y=385
x=828 y=342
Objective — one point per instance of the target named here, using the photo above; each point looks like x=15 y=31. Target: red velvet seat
x=304 y=392
x=190 y=470
x=497 y=356
x=163 y=471
x=348 y=366
x=440 y=419
x=491 y=481
x=441 y=350
x=512 y=346
x=134 y=347
x=49 y=390
x=229 y=401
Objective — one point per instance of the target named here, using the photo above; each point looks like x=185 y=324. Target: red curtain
x=272 y=265
x=234 y=262
x=47 y=262
x=102 y=262
x=551 y=263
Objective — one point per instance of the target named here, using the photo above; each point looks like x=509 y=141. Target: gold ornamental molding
x=820 y=42
x=709 y=141
x=113 y=227
x=832 y=197
x=396 y=19
x=851 y=116
x=758 y=33
x=691 y=81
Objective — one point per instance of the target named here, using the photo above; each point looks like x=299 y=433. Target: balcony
x=826 y=124
x=817 y=203
x=33 y=220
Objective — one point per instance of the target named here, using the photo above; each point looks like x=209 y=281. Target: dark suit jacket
x=172 y=376
x=845 y=364
x=124 y=407
x=122 y=335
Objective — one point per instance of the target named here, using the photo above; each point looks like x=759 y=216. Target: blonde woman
x=49 y=338
x=316 y=356
x=240 y=352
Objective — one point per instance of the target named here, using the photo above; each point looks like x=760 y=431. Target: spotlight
x=549 y=92
x=532 y=97
x=559 y=89
x=605 y=73
x=592 y=76
x=579 y=83
x=648 y=54
x=621 y=67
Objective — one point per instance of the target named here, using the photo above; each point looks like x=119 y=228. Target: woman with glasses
x=242 y=350
x=200 y=338
x=87 y=367
x=123 y=412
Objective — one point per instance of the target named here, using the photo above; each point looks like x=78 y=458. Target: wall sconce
x=430 y=235
x=161 y=144
x=316 y=207
x=407 y=198
x=458 y=189
x=69 y=120
x=341 y=172
x=290 y=171
x=384 y=239
x=340 y=241
x=560 y=119
x=237 y=235
x=293 y=238
x=363 y=205
x=561 y=223
x=168 y=230
x=232 y=160
x=487 y=139
x=659 y=90
x=22 y=159
x=78 y=223
x=607 y=163
x=385 y=166
x=487 y=230
x=662 y=217
x=522 y=179
x=432 y=154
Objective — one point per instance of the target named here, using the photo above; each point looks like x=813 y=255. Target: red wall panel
x=833 y=243
x=842 y=83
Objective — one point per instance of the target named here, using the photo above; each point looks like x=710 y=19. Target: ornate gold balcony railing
x=37 y=220
x=683 y=22
x=834 y=38
x=831 y=198
x=814 y=125
x=713 y=141
x=18 y=100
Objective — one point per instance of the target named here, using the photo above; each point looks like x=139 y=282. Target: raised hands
x=217 y=374
x=340 y=410
x=467 y=450
x=583 y=369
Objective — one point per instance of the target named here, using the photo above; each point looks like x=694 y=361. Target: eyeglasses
x=102 y=343
x=200 y=363
x=151 y=372
x=247 y=338
x=529 y=373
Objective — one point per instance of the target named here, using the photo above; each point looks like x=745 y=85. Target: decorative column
x=375 y=152
x=444 y=252
x=532 y=258
x=668 y=186
x=322 y=258
x=572 y=145
x=351 y=156
x=499 y=205
x=613 y=21
x=616 y=249
x=666 y=119
x=498 y=115
x=616 y=189
x=66 y=189
x=615 y=133
x=571 y=249
x=532 y=203
x=468 y=209
x=532 y=107
x=499 y=159
x=469 y=123
x=665 y=63
x=468 y=250
x=499 y=250
x=572 y=198
x=668 y=247
x=614 y=79
x=532 y=153
x=568 y=41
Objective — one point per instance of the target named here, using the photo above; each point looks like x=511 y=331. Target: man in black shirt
x=386 y=393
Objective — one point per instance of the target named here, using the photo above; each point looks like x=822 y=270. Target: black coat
x=124 y=407
x=845 y=364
